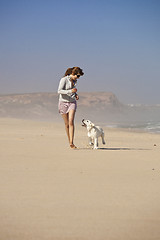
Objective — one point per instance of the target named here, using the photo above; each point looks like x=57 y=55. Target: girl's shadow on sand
x=115 y=149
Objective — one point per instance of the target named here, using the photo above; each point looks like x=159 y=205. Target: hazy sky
x=115 y=42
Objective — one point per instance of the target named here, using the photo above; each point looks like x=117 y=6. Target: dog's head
x=87 y=123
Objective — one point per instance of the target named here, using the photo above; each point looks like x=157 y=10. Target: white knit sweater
x=65 y=90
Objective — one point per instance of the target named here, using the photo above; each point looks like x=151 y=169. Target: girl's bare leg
x=71 y=125
x=66 y=122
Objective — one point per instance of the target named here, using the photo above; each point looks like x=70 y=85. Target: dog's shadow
x=122 y=148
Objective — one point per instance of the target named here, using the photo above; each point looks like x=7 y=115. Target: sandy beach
x=50 y=192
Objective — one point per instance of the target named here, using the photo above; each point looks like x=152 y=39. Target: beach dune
x=50 y=192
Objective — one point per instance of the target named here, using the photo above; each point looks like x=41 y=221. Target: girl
x=67 y=100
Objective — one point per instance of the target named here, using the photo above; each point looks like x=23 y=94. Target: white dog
x=93 y=133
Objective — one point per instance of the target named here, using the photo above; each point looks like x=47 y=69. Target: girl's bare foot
x=73 y=146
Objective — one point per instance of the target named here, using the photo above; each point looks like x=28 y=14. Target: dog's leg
x=96 y=143
x=103 y=138
x=90 y=141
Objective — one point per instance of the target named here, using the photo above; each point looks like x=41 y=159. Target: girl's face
x=75 y=77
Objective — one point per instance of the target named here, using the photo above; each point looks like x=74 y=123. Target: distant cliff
x=97 y=106
x=44 y=106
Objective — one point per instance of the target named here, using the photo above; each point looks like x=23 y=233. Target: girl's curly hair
x=74 y=71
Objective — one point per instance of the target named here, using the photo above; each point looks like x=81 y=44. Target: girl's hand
x=74 y=90
x=77 y=97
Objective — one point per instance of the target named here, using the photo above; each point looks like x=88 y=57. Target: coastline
x=49 y=191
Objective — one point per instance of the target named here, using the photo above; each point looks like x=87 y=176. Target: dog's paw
x=91 y=144
x=95 y=148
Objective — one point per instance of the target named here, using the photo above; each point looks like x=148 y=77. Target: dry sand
x=50 y=192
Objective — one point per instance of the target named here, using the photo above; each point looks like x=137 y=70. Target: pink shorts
x=65 y=107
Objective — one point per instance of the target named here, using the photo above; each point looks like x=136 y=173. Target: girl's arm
x=62 y=86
